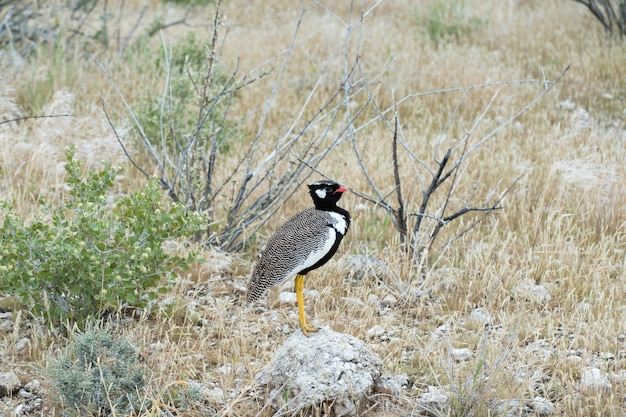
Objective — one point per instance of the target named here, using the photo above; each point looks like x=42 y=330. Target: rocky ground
x=331 y=370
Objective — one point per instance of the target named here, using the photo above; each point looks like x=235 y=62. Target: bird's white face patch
x=321 y=193
x=339 y=223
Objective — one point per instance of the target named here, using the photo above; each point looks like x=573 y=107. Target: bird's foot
x=307 y=329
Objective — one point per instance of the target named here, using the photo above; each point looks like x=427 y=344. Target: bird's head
x=326 y=193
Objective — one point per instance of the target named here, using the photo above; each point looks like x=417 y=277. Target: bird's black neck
x=328 y=206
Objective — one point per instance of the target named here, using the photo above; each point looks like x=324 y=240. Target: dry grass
x=563 y=228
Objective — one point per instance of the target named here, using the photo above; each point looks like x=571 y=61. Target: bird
x=305 y=242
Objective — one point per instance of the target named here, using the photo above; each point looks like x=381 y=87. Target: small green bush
x=185 y=396
x=447 y=21
x=83 y=258
x=99 y=374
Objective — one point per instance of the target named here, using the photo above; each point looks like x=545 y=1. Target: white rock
x=567 y=105
x=353 y=301
x=542 y=407
x=540 y=348
x=391 y=385
x=20 y=410
x=33 y=386
x=22 y=344
x=389 y=301
x=217 y=262
x=462 y=354
x=226 y=369
x=373 y=300
x=574 y=359
x=24 y=394
x=311 y=294
x=593 y=380
x=375 y=331
x=619 y=377
x=438 y=333
x=359 y=267
x=287 y=297
x=607 y=356
x=529 y=291
x=435 y=397
x=9 y=383
x=480 y=317
x=514 y=407
x=327 y=367
x=214 y=395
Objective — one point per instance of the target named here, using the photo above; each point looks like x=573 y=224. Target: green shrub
x=83 y=258
x=99 y=374
x=184 y=396
x=447 y=21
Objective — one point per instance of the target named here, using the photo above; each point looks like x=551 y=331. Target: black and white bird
x=304 y=243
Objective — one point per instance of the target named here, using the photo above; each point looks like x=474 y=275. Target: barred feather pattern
x=305 y=242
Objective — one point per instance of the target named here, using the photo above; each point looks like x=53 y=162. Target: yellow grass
x=563 y=225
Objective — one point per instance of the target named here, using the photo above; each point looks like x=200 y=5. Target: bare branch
x=133 y=29
x=163 y=183
x=521 y=111
x=401 y=219
x=142 y=135
x=19 y=119
x=472 y=225
x=434 y=184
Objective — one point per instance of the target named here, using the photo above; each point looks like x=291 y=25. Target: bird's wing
x=298 y=244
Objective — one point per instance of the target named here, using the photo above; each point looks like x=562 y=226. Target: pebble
x=287 y=297
x=542 y=406
x=567 y=105
x=353 y=301
x=33 y=386
x=389 y=301
x=480 y=317
x=9 y=383
x=460 y=355
x=593 y=380
x=375 y=331
x=435 y=397
x=22 y=344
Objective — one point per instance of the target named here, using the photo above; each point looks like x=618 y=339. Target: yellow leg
x=299 y=286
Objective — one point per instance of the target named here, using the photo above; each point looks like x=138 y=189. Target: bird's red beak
x=341 y=189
